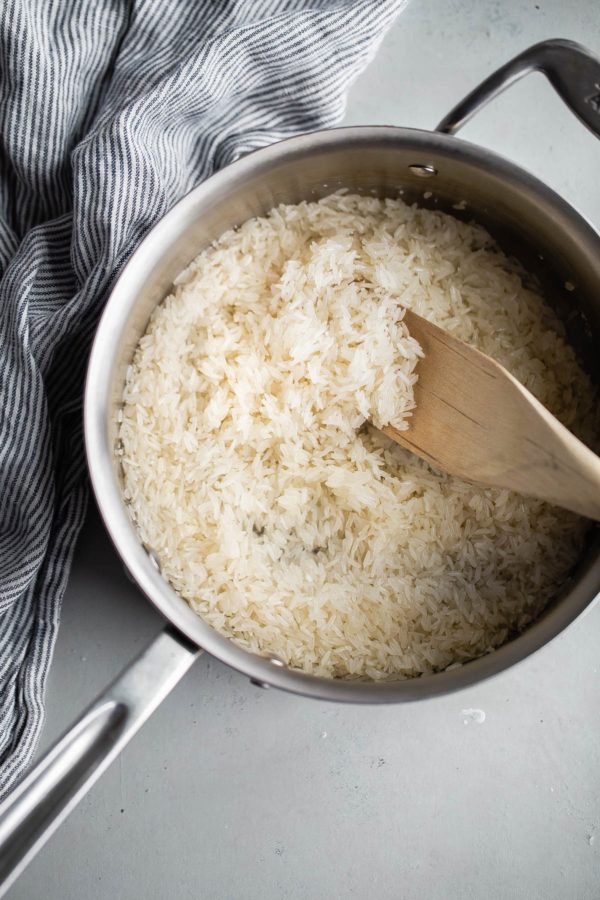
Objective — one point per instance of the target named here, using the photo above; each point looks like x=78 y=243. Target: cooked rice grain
x=281 y=521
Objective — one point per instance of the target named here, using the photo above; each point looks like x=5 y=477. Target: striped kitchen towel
x=109 y=112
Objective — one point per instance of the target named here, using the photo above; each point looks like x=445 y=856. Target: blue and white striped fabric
x=109 y=113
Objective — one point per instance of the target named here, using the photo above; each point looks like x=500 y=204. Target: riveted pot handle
x=572 y=70
x=60 y=779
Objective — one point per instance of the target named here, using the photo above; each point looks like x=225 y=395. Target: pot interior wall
x=528 y=220
x=468 y=183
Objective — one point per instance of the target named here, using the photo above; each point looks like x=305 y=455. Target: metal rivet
x=153 y=557
x=423 y=170
x=260 y=684
x=128 y=575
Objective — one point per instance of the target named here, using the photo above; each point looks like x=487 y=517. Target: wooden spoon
x=474 y=420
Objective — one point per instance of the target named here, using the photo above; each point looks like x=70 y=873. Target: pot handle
x=48 y=793
x=572 y=70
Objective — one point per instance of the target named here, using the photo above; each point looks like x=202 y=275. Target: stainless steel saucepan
x=528 y=219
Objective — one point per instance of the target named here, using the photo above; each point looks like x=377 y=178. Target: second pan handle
x=572 y=70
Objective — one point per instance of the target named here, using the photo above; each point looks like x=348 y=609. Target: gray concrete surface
x=233 y=792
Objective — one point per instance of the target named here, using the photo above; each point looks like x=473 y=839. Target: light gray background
x=233 y=792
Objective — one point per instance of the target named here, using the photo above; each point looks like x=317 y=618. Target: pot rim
x=570 y=601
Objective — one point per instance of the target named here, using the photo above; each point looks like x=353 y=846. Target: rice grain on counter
x=285 y=521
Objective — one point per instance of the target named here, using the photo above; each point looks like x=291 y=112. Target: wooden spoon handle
x=554 y=465
x=475 y=420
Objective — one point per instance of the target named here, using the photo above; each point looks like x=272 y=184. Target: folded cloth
x=109 y=113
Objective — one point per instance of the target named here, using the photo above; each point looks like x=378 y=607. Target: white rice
x=284 y=523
